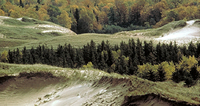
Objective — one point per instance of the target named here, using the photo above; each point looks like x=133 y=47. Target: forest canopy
x=103 y=16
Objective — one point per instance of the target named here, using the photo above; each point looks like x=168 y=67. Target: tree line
x=154 y=62
x=103 y=16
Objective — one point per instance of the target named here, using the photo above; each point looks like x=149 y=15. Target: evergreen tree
x=194 y=73
x=161 y=73
x=192 y=49
x=158 y=52
x=79 y=58
x=32 y=56
x=38 y=1
x=132 y=66
x=21 y=4
x=140 y=53
x=24 y=56
x=197 y=54
x=184 y=50
x=102 y=64
x=111 y=59
x=86 y=53
x=10 y=57
x=18 y=57
x=93 y=52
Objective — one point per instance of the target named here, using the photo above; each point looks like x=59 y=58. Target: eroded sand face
x=37 y=91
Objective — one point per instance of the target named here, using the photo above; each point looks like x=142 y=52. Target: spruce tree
x=197 y=54
x=79 y=58
x=158 y=52
x=161 y=73
x=192 y=49
x=21 y=4
x=140 y=52
x=24 y=56
x=93 y=52
x=10 y=57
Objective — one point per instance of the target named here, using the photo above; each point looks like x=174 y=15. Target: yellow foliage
x=146 y=68
x=15 y=14
x=89 y=65
x=187 y=63
x=169 y=69
x=2 y=13
x=64 y=19
x=4 y=56
x=42 y=14
x=30 y=12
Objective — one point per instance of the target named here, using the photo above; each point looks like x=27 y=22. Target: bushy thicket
x=159 y=63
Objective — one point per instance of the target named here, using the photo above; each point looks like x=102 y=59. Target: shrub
x=4 y=56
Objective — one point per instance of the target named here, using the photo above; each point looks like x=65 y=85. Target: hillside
x=20 y=32
x=25 y=31
x=43 y=85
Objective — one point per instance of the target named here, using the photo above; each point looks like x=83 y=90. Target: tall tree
x=64 y=19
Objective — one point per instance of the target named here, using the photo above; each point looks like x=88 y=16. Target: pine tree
x=24 y=56
x=18 y=57
x=21 y=4
x=140 y=52
x=197 y=54
x=111 y=59
x=38 y=1
x=79 y=58
x=192 y=49
x=102 y=64
x=10 y=57
x=158 y=52
x=161 y=73
x=93 y=52
x=132 y=66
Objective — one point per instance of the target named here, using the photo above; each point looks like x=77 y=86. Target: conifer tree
x=21 y=4
x=197 y=54
x=18 y=57
x=24 y=56
x=10 y=57
x=161 y=73
x=140 y=54
x=192 y=49
x=158 y=52
x=79 y=58
x=93 y=52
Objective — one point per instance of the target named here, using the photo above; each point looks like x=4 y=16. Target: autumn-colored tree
x=42 y=14
x=64 y=19
x=31 y=12
x=122 y=11
x=2 y=13
x=85 y=23
x=4 y=56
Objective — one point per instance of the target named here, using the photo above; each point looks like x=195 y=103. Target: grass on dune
x=24 y=21
x=25 y=33
x=139 y=86
x=73 y=74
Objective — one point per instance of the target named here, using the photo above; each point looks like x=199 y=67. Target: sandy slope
x=107 y=91
x=23 y=91
x=184 y=35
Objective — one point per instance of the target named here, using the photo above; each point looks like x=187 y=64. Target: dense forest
x=103 y=16
x=159 y=63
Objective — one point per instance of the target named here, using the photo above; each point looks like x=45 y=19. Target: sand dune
x=107 y=91
x=183 y=35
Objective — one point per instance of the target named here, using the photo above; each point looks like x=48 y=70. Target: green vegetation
x=165 y=62
x=103 y=16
